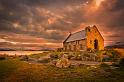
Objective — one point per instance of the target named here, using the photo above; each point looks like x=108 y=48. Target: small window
x=81 y=46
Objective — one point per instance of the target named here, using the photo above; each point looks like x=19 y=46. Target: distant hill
x=7 y=49
x=116 y=46
x=24 y=49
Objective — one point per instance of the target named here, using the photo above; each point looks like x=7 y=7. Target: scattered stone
x=24 y=58
x=44 y=59
x=63 y=62
x=53 y=56
x=53 y=62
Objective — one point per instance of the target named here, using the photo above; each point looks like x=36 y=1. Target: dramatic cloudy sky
x=46 y=23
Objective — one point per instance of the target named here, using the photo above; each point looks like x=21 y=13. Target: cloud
x=50 y=21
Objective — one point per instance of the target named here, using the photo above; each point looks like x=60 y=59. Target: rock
x=53 y=62
x=53 y=56
x=63 y=62
x=24 y=58
x=44 y=59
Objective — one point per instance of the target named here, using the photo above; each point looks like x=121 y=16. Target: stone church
x=87 y=39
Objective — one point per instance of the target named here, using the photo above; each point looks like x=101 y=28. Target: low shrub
x=115 y=55
x=104 y=66
x=121 y=63
x=55 y=55
x=109 y=55
x=78 y=57
x=115 y=64
x=2 y=57
x=70 y=56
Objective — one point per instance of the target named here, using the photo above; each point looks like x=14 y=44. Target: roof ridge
x=76 y=36
x=78 y=31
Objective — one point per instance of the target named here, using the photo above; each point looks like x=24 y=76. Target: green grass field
x=14 y=70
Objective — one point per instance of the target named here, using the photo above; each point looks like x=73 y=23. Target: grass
x=38 y=55
x=7 y=67
x=121 y=51
x=18 y=71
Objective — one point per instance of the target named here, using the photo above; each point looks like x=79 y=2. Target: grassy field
x=14 y=70
x=121 y=51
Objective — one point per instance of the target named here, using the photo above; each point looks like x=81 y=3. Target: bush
x=75 y=56
x=115 y=64
x=2 y=57
x=121 y=63
x=55 y=55
x=109 y=55
x=78 y=57
x=115 y=55
x=70 y=56
x=104 y=66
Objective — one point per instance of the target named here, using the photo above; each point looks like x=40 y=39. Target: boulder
x=53 y=62
x=24 y=58
x=45 y=59
x=63 y=62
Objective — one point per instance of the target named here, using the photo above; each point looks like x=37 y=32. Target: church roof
x=76 y=36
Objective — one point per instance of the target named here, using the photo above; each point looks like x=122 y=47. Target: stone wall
x=75 y=45
x=93 y=34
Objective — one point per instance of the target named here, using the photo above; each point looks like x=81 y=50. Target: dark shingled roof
x=76 y=36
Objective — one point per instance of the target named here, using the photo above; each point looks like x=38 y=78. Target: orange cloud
x=98 y=2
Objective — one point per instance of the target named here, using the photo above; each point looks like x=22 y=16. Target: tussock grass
x=19 y=71
x=7 y=67
x=38 y=55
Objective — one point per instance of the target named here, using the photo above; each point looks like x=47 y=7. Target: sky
x=37 y=24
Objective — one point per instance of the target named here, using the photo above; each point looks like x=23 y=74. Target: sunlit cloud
x=2 y=40
x=48 y=23
x=52 y=20
x=98 y=2
x=16 y=25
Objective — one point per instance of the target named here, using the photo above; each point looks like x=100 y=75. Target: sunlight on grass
x=7 y=67
x=19 y=71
